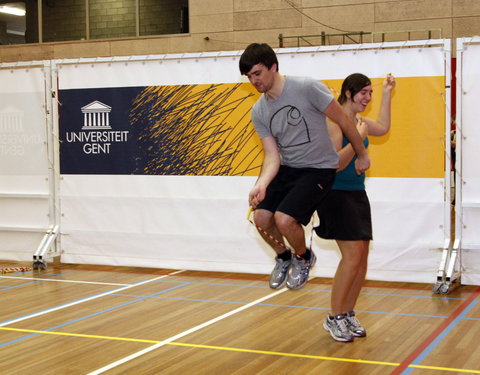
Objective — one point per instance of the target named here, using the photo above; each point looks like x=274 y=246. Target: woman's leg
x=357 y=284
x=346 y=276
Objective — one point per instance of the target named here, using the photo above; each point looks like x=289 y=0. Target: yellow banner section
x=415 y=146
x=207 y=130
x=197 y=130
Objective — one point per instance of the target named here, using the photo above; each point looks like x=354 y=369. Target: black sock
x=286 y=255
x=307 y=254
x=340 y=316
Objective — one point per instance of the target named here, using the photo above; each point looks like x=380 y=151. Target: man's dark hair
x=354 y=83
x=255 y=54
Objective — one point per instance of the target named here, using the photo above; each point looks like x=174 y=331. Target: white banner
x=24 y=170
x=199 y=222
x=468 y=144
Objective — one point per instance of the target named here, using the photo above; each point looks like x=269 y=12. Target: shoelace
x=304 y=266
x=353 y=321
x=342 y=325
x=284 y=265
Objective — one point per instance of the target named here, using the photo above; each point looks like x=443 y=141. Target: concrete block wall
x=159 y=17
x=112 y=19
x=3 y=33
x=220 y=25
x=63 y=20
x=66 y=20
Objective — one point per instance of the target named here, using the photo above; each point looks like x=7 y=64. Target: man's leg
x=303 y=259
x=264 y=220
x=270 y=233
x=292 y=230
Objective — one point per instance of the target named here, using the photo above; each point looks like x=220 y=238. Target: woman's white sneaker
x=354 y=325
x=337 y=326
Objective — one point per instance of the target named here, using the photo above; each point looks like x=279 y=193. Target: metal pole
x=87 y=20
x=40 y=22
x=137 y=18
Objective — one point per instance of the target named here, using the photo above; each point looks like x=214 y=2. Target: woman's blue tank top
x=348 y=179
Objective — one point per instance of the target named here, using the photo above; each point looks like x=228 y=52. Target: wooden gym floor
x=79 y=319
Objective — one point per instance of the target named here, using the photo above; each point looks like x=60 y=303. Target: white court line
x=62 y=281
x=184 y=333
x=86 y=299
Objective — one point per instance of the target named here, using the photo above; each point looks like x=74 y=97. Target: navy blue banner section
x=194 y=130
x=95 y=132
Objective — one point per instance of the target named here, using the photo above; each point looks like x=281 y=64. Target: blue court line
x=17 y=286
x=66 y=303
x=414 y=295
x=324 y=290
x=440 y=337
x=156 y=295
x=311 y=289
x=475 y=319
x=90 y=315
x=287 y=306
x=261 y=287
x=3 y=288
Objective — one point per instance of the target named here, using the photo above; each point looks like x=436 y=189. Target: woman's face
x=362 y=98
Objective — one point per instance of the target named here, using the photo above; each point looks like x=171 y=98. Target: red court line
x=419 y=349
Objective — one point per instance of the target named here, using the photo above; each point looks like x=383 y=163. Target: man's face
x=261 y=77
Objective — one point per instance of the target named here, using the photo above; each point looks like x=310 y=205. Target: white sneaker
x=354 y=325
x=299 y=271
x=337 y=326
x=278 y=277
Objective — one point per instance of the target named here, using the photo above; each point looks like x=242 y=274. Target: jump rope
x=14 y=269
x=270 y=236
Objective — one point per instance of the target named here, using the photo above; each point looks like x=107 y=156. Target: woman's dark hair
x=354 y=83
x=255 y=54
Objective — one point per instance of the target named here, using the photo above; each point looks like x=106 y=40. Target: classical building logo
x=96 y=133
x=96 y=115
x=11 y=120
x=15 y=133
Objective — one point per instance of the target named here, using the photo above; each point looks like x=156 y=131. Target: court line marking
x=62 y=281
x=220 y=284
x=241 y=350
x=163 y=342
x=245 y=286
x=311 y=282
x=91 y=315
x=426 y=347
x=60 y=307
x=184 y=333
x=280 y=305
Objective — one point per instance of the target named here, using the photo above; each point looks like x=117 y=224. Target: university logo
x=14 y=137
x=96 y=115
x=97 y=134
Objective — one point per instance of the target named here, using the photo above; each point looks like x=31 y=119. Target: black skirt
x=345 y=215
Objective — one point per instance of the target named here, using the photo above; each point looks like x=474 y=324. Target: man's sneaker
x=299 y=271
x=337 y=326
x=354 y=325
x=278 y=277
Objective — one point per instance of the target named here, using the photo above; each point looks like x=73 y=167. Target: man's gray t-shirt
x=297 y=122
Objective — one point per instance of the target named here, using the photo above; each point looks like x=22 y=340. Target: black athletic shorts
x=345 y=215
x=298 y=192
